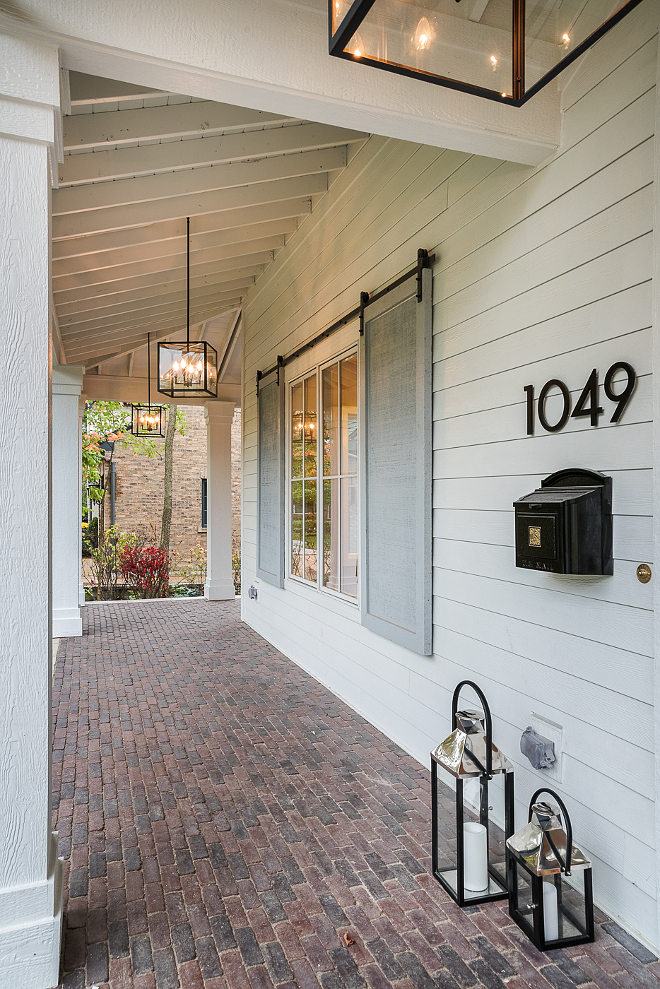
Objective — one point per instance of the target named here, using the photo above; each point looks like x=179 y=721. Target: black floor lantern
x=550 y=886
x=148 y=420
x=469 y=857
x=187 y=368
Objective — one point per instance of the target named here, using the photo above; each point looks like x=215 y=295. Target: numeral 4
x=589 y=392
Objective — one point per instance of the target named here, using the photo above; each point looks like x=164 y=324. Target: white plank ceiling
x=135 y=165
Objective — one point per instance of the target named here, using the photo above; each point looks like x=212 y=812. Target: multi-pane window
x=324 y=492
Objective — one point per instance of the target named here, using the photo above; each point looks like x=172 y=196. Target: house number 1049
x=587 y=403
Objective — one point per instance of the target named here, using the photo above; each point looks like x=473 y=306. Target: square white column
x=219 y=584
x=66 y=481
x=30 y=872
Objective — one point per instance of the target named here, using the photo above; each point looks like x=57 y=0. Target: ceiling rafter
x=129 y=179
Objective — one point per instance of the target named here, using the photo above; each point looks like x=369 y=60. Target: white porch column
x=30 y=872
x=67 y=496
x=219 y=581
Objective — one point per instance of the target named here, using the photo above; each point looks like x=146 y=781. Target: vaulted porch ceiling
x=136 y=163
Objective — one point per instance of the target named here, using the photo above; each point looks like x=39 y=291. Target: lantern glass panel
x=187 y=368
x=554 y=30
x=439 y=39
x=469 y=803
x=563 y=906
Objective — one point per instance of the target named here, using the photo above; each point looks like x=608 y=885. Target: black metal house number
x=587 y=403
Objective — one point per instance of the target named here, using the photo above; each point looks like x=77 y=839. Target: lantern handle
x=488 y=719
x=567 y=825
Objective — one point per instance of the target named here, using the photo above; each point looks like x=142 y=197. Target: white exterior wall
x=541 y=272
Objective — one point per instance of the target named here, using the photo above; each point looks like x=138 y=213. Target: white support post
x=30 y=872
x=219 y=581
x=67 y=500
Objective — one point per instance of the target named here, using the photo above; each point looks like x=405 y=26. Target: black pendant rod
x=149 y=367
x=187 y=283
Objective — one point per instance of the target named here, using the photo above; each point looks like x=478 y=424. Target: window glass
x=324 y=494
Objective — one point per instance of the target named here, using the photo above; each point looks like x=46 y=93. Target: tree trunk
x=167 y=483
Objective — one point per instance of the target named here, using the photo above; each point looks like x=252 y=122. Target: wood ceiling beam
x=115 y=127
x=90 y=353
x=218 y=243
x=105 y=317
x=77 y=301
x=120 y=277
x=156 y=233
x=167 y=185
x=152 y=158
x=103 y=220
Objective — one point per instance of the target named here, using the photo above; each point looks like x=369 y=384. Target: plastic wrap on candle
x=550 y=916
x=475 y=856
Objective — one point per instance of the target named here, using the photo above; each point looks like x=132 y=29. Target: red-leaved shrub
x=148 y=569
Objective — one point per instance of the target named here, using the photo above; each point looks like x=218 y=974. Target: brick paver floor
x=226 y=821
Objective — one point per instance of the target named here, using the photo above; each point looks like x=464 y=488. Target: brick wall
x=139 y=486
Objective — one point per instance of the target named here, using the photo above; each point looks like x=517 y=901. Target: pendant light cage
x=148 y=420
x=187 y=368
x=508 y=54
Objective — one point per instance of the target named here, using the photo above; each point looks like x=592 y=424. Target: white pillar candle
x=475 y=856
x=550 y=915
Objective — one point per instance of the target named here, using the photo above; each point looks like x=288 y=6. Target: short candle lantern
x=470 y=864
x=147 y=420
x=550 y=886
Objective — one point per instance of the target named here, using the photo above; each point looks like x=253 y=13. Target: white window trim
x=342 y=344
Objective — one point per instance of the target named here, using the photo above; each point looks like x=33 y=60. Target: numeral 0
x=589 y=394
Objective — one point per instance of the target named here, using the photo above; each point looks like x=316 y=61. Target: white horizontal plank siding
x=540 y=273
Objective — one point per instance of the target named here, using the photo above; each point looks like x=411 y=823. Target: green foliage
x=236 y=570
x=105 y=559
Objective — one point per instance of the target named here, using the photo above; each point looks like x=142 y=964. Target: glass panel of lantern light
x=496 y=824
x=440 y=39
x=555 y=28
x=169 y=358
x=521 y=898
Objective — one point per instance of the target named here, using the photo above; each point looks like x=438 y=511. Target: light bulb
x=357 y=45
x=566 y=39
x=424 y=35
x=493 y=61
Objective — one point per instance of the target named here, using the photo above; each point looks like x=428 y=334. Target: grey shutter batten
x=270 y=491
x=396 y=466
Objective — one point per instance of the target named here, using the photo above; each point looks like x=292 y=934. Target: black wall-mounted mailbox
x=565 y=526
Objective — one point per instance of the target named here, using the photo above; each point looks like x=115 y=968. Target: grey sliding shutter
x=270 y=482
x=396 y=461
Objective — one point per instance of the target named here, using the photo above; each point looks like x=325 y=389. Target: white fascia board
x=120 y=388
x=281 y=65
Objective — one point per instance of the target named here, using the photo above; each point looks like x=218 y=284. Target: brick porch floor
x=225 y=820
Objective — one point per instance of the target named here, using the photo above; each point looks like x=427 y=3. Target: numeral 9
x=624 y=397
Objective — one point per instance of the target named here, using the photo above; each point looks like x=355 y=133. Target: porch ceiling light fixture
x=148 y=420
x=502 y=50
x=187 y=368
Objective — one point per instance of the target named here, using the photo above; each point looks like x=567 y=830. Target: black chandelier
x=148 y=420
x=503 y=50
x=187 y=368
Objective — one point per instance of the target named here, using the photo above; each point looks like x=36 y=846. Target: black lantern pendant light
x=187 y=368
x=470 y=861
x=550 y=887
x=505 y=51
x=148 y=420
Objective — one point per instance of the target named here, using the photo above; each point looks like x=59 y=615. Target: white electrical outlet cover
x=555 y=733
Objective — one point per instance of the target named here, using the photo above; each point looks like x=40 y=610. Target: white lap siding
x=540 y=273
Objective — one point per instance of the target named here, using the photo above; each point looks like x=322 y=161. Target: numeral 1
x=529 y=390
